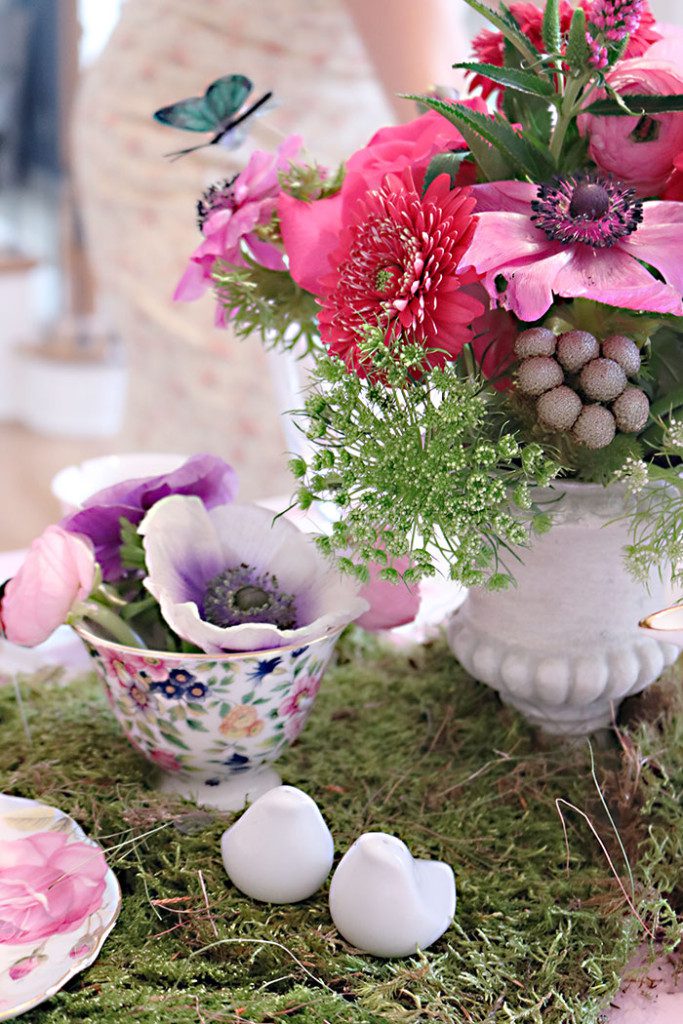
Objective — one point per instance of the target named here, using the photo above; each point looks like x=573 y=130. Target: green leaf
x=490 y=161
x=534 y=112
x=504 y=20
x=551 y=26
x=498 y=132
x=444 y=163
x=667 y=404
x=511 y=78
x=634 y=105
x=197 y=726
x=171 y=738
x=578 y=50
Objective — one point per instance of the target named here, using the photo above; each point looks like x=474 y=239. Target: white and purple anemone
x=232 y=579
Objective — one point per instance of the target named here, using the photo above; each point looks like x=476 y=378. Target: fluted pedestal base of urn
x=563 y=646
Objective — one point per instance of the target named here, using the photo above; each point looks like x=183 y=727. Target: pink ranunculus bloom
x=310 y=230
x=58 y=572
x=48 y=885
x=583 y=237
x=391 y=604
x=639 y=151
x=230 y=215
x=674 y=189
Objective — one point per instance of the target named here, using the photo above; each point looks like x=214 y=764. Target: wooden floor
x=28 y=462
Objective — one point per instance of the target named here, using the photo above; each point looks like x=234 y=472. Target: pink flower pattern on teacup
x=48 y=885
x=305 y=691
x=130 y=667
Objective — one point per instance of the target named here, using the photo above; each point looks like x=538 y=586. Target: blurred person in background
x=335 y=69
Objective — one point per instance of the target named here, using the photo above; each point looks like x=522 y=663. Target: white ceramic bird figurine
x=280 y=850
x=385 y=902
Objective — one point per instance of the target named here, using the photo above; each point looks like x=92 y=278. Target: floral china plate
x=58 y=902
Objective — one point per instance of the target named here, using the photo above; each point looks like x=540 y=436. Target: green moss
x=400 y=742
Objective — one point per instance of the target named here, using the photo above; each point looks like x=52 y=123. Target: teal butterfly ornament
x=222 y=110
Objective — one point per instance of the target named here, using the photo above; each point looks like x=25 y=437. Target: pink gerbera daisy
x=397 y=268
x=579 y=236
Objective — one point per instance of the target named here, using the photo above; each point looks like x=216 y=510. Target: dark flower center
x=217 y=197
x=243 y=595
x=586 y=208
x=589 y=200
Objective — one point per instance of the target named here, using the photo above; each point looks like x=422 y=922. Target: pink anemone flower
x=583 y=236
x=230 y=214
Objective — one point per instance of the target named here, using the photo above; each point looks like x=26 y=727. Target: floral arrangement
x=173 y=564
x=491 y=293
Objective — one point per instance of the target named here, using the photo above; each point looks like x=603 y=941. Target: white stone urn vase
x=563 y=645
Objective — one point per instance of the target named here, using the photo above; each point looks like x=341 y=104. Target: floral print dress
x=192 y=386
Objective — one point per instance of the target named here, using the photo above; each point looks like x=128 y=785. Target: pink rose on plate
x=48 y=885
x=639 y=151
x=310 y=230
x=59 y=571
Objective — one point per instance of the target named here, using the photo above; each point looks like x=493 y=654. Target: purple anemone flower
x=205 y=476
x=232 y=579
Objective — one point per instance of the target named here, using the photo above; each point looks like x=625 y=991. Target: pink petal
x=659 y=241
x=58 y=572
x=391 y=604
x=310 y=232
x=192 y=284
x=265 y=253
x=615 y=278
x=501 y=239
x=530 y=287
x=511 y=196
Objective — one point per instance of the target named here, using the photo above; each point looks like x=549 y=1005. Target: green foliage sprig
x=545 y=90
x=268 y=304
x=420 y=469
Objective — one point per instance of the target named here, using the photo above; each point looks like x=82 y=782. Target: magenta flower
x=584 y=236
x=48 y=885
x=230 y=214
x=205 y=476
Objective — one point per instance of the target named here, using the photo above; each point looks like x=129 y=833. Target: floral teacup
x=212 y=723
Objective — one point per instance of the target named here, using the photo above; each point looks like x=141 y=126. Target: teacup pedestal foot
x=231 y=793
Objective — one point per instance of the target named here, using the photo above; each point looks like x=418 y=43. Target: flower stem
x=108 y=620
x=567 y=111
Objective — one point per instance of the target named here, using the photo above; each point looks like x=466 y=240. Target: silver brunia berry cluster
x=582 y=386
